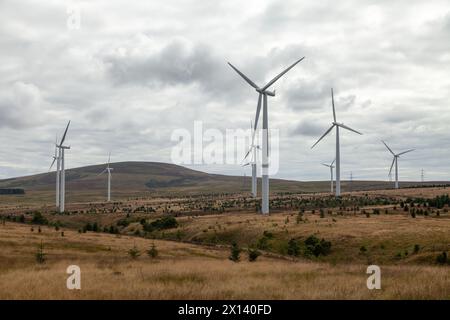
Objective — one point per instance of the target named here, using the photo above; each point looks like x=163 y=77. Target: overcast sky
x=136 y=71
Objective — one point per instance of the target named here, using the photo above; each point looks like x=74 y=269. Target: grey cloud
x=309 y=128
x=21 y=106
x=135 y=72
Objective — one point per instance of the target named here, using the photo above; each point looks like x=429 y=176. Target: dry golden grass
x=429 y=192
x=186 y=271
x=383 y=235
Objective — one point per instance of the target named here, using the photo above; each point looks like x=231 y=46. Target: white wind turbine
x=60 y=172
x=253 y=161
x=331 y=172
x=56 y=158
x=395 y=160
x=108 y=169
x=262 y=95
x=338 y=154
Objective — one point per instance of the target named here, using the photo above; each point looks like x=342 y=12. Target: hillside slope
x=134 y=178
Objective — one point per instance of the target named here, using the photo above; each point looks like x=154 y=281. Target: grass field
x=186 y=271
x=373 y=227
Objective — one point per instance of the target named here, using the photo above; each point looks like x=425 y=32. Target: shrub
x=152 y=252
x=442 y=258
x=263 y=243
x=40 y=255
x=363 y=249
x=322 y=213
x=268 y=234
x=134 y=252
x=253 y=254
x=38 y=218
x=235 y=252
x=416 y=248
x=317 y=247
x=123 y=223
x=293 y=248
x=160 y=224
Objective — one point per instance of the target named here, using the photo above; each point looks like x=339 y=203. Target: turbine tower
x=262 y=96
x=253 y=161
x=395 y=161
x=331 y=166
x=56 y=159
x=108 y=169
x=60 y=172
x=338 y=153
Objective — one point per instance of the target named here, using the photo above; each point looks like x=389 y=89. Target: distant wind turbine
x=108 y=169
x=338 y=154
x=331 y=172
x=56 y=158
x=253 y=161
x=262 y=95
x=60 y=172
x=395 y=160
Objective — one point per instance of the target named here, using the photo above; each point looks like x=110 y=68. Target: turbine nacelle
x=266 y=92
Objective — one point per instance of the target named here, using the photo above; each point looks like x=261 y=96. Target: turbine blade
x=244 y=165
x=271 y=82
x=104 y=170
x=406 y=151
x=332 y=163
x=390 y=170
x=54 y=159
x=64 y=135
x=388 y=148
x=348 y=128
x=326 y=165
x=326 y=132
x=246 y=155
x=250 y=82
x=332 y=104
x=258 y=110
x=56 y=146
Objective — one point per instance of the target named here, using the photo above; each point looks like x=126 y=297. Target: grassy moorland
x=187 y=271
x=311 y=246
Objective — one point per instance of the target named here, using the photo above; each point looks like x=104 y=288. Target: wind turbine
x=56 y=158
x=263 y=92
x=331 y=172
x=60 y=172
x=395 y=160
x=108 y=169
x=253 y=149
x=338 y=154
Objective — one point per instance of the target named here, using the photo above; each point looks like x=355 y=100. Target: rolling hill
x=131 y=179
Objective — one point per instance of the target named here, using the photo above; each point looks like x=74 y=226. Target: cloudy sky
x=132 y=73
